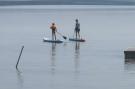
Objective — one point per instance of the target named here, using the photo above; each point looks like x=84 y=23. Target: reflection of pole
x=19 y=58
x=20 y=79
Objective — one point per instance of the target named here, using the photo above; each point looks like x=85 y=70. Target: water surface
x=96 y=64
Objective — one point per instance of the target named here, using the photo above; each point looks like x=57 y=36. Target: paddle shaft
x=59 y=33
x=62 y=35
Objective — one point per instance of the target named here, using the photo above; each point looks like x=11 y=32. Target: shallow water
x=97 y=64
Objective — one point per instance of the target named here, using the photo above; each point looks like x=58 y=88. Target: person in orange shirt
x=54 y=30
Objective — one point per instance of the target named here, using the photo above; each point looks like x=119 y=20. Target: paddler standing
x=54 y=29
x=77 y=29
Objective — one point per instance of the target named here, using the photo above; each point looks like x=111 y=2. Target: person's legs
x=55 y=35
x=79 y=34
x=52 y=35
x=76 y=33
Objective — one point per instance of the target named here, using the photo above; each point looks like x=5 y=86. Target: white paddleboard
x=52 y=41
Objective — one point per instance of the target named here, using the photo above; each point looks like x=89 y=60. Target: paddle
x=62 y=35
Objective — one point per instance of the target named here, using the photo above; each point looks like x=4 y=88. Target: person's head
x=76 y=20
x=53 y=23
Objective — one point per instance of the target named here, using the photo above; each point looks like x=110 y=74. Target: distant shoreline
x=6 y=3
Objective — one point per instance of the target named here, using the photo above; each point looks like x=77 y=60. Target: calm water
x=96 y=64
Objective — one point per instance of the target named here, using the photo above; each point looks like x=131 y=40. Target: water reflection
x=130 y=66
x=53 y=55
x=77 y=57
x=53 y=65
x=19 y=79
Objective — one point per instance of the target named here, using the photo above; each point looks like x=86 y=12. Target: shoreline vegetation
x=92 y=2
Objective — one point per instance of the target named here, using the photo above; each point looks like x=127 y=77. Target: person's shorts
x=53 y=31
x=77 y=30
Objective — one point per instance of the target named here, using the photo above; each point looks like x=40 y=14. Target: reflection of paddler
x=53 y=58
x=77 y=57
x=77 y=28
x=77 y=46
x=54 y=29
x=53 y=49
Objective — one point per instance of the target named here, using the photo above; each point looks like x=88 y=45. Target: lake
x=97 y=63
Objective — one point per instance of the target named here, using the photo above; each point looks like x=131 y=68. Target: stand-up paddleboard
x=52 y=41
x=78 y=40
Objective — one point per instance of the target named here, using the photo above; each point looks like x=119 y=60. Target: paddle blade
x=65 y=37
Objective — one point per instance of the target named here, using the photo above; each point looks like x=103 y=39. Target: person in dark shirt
x=77 y=29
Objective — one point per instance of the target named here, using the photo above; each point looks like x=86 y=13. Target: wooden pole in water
x=19 y=58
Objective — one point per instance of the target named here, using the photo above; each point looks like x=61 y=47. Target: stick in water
x=19 y=58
